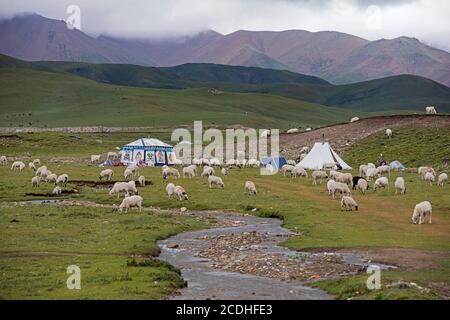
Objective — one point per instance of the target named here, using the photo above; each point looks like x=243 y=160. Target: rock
x=172 y=245
x=183 y=209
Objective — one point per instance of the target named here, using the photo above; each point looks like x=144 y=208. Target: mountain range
x=336 y=57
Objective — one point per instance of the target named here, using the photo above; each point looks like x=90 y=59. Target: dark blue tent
x=276 y=162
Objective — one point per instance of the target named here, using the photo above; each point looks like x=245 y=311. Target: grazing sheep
x=265 y=134
x=291 y=162
x=400 y=185
x=442 y=179
x=318 y=175
x=41 y=170
x=363 y=185
x=37 y=162
x=420 y=211
x=57 y=191
x=270 y=168
x=134 y=169
x=308 y=129
x=178 y=162
x=429 y=177
x=208 y=171
x=347 y=203
x=363 y=169
x=128 y=174
x=286 y=168
x=330 y=186
x=329 y=166
x=3 y=160
x=346 y=178
x=423 y=170
x=371 y=173
x=298 y=171
x=382 y=182
x=19 y=165
x=339 y=187
x=304 y=149
x=430 y=110
x=51 y=178
x=35 y=181
x=253 y=163
x=333 y=174
x=224 y=171
x=170 y=190
x=355 y=181
x=215 y=162
x=95 y=158
x=371 y=165
x=354 y=119
x=294 y=130
x=389 y=133
x=250 y=188
x=142 y=181
x=62 y=180
x=107 y=174
x=130 y=202
x=197 y=162
x=213 y=180
x=206 y=162
x=180 y=193
x=32 y=166
x=384 y=169
x=189 y=171
x=167 y=172
x=125 y=187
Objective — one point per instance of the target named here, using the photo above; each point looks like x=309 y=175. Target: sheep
x=291 y=162
x=134 y=169
x=189 y=172
x=429 y=177
x=330 y=186
x=51 y=178
x=95 y=158
x=400 y=185
x=308 y=129
x=363 y=169
x=128 y=174
x=62 y=180
x=142 y=181
x=253 y=163
x=170 y=190
x=167 y=172
x=382 y=182
x=354 y=119
x=181 y=193
x=41 y=170
x=299 y=172
x=293 y=130
x=389 y=133
x=178 y=162
x=197 y=162
x=213 y=180
x=333 y=174
x=3 y=160
x=363 y=185
x=265 y=134
x=19 y=165
x=224 y=171
x=355 y=181
x=215 y=162
x=371 y=173
x=346 y=178
x=206 y=162
x=208 y=171
x=304 y=149
x=442 y=179
x=338 y=187
x=37 y=162
x=32 y=166
x=371 y=165
x=250 y=188
x=420 y=211
x=125 y=187
x=286 y=168
x=35 y=181
x=57 y=191
x=430 y=110
x=112 y=155
x=384 y=169
x=107 y=173
x=130 y=202
x=131 y=187
x=347 y=203
x=318 y=175
x=329 y=166
x=423 y=170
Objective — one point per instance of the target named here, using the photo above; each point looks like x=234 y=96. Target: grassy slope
x=37 y=98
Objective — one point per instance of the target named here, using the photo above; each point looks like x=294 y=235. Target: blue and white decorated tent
x=148 y=152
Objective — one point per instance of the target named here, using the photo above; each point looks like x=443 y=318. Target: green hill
x=39 y=98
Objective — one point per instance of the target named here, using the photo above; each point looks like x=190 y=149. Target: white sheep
x=286 y=168
x=330 y=186
x=299 y=171
x=430 y=110
x=206 y=162
x=95 y=158
x=384 y=169
x=32 y=166
x=442 y=179
x=363 y=170
x=420 y=211
x=189 y=171
x=51 y=178
x=333 y=174
x=107 y=174
x=265 y=134
x=339 y=187
x=41 y=170
x=35 y=181
x=253 y=163
x=362 y=185
x=250 y=188
x=170 y=190
x=382 y=182
x=371 y=173
x=125 y=187
x=318 y=175
x=128 y=174
x=134 y=169
x=291 y=162
x=142 y=181
x=293 y=130
x=329 y=166
x=130 y=202
x=37 y=162
x=400 y=185
x=197 y=162
x=224 y=171
x=389 y=133
x=3 y=161
x=429 y=177
x=62 y=180
x=348 y=203
x=304 y=149
x=57 y=191
x=208 y=171
x=371 y=165
x=346 y=178
x=167 y=172
x=215 y=162
x=19 y=165
x=180 y=193
x=354 y=119
x=213 y=180
x=423 y=170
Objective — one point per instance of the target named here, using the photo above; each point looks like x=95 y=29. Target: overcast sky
x=427 y=20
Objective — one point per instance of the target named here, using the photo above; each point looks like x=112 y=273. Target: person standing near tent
x=381 y=161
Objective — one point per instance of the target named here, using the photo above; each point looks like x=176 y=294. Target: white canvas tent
x=320 y=154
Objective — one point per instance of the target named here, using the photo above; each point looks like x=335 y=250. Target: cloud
x=426 y=20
